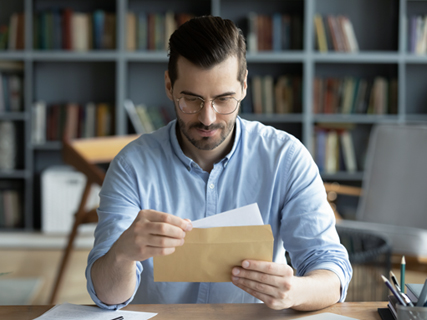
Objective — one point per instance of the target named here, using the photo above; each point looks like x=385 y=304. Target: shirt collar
x=189 y=163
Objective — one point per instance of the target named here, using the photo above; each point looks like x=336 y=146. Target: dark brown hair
x=206 y=41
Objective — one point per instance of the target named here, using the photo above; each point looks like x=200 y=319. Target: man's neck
x=205 y=158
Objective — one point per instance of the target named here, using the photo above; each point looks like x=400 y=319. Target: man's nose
x=207 y=115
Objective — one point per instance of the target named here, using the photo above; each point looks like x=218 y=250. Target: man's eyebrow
x=229 y=93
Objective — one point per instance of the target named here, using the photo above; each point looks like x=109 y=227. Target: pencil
x=395 y=282
x=402 y=274
x=395 y=293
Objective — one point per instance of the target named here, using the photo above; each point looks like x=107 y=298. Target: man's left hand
x=270 y=282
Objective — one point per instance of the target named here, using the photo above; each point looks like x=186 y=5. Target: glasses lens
x=190 y=104
x=225 y=104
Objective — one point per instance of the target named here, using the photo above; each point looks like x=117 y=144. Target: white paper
x=244 y=216
x=327 y=316
x=68 y=311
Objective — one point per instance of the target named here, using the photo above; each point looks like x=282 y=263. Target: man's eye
x=223 y=99
x=190 y=99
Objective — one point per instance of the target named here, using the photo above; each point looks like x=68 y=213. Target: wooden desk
x=358 y=310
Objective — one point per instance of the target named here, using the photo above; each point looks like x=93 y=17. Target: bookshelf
x=116 y=74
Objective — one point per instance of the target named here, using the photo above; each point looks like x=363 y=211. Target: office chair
x=393 y=198
x=84 y=155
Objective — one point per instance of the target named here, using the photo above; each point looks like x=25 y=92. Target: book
x=8 y=145
x=349 y=155
x=267 y=94
x=39 y=122
x=332 y=152
x=347 y=26
x=257 y=94
x=134 y=117
x=144 y=118
x=320 y=33
x=80 y=31
x=131 y=31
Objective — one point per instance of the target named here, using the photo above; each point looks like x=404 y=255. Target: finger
x=259 y=277
x=271 y=268
x=157 y=216
x=155 y=251
x=164 y=229
x=255 y=286
x=269 y=300
x=164 y=242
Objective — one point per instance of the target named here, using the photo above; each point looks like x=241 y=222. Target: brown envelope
x=208 y=255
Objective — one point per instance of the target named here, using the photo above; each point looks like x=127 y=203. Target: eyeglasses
x=222 y=105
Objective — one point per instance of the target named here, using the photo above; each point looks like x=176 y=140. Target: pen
x=402 y=274
x=422 y=298
x=118 y=318
x=398 y=297
x=396 y=284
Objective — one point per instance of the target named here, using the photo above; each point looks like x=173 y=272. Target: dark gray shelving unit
x=116 y=75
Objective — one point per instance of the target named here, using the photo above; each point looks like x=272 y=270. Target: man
x=206 y=162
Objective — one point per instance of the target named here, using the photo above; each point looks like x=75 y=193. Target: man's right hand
x=152 y=233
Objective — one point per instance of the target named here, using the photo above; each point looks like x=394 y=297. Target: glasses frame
x=202 y=104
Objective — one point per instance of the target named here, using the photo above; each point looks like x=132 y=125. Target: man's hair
x=207 y=41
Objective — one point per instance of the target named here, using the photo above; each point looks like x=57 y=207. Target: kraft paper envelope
x=208 y=255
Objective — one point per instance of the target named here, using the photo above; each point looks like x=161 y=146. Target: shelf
x=342 y=176
x=281 y=56
x=20 y=116
x=60 y=55
x=361 y=57
x=273 y=118
x=147 y=56
x=355 y=118
x=416 y=58
x=14 y=174
x=12 y=55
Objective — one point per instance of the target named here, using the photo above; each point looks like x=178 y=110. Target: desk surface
x=358 y=310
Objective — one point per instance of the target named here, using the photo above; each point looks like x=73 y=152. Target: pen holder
x=411 y=313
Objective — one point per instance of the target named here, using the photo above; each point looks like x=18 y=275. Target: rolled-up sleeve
x=118 y=208
x=308 y=223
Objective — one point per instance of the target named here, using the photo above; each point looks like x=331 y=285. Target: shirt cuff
x=99 y=303
x=339 y=272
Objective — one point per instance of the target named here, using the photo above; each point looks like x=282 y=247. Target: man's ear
x=168 y=86
x=245 y=84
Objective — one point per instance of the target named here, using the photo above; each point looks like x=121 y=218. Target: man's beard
x=206 y=143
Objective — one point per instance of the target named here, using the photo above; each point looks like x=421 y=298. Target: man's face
x=206 y=130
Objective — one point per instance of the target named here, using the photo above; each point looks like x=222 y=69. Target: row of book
x=335 y=33
x=334 y=150
x=268 y=95
x=56 y=121
x=146 y=119
x=275 y=32
x=11 y=92
x=417 y=38
x=12 y=34
x=7 y=145
x=151 y=31
x=10 y=209
x=79 y=31
x=352 y=95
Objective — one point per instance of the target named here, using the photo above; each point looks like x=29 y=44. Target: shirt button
x=193 y=164
x=211 y=186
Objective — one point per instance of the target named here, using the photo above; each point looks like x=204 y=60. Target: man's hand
x=276 y=285
x=152 y=233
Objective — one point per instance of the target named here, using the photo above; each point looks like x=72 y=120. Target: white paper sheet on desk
x=68 y=311
x=244 y=216
x=327 y=316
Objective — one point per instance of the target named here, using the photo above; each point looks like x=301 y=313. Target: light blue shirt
x=266 y=166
